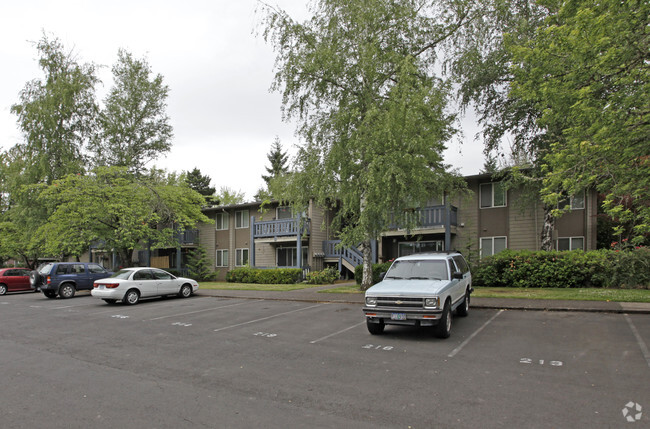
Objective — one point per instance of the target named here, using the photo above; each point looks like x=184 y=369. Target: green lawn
x=586 y=294
x=253 y=286
x=583 y=294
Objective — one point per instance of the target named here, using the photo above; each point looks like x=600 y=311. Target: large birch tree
x=359 y=79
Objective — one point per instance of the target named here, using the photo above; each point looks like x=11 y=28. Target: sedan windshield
x=418 y=270
x=122 y=274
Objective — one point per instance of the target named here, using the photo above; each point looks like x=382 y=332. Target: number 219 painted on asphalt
x=541 y=362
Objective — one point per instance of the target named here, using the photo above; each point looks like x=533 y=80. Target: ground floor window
x=492 y=245
x=288 y=256
x=222 y=258
x=241 y=257
x=409 y=248
x=570 y=243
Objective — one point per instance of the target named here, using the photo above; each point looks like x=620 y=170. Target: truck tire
x=443 y=328
x=463 y=308
x=375 y=328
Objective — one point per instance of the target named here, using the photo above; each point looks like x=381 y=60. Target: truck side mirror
x=457 y=275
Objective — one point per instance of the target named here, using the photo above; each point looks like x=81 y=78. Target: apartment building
x=486 y=221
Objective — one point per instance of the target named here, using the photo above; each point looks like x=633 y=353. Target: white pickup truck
x=420 y=290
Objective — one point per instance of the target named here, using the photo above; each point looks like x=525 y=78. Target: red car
x=14 y=279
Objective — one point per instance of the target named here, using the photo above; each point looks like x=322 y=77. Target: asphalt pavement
x=316 y=294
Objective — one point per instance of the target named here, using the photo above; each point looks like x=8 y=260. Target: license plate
x=398 y=316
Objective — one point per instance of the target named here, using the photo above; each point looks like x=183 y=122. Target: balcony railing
x=427 y=217
x=188 y=237
x=332 y=249
x=281 y=228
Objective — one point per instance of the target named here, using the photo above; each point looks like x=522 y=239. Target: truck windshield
x=418 y=270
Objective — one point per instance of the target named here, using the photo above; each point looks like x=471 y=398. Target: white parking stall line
x=200 y=311
x=464 y=343
x=639 y=340
x=336 y=333
x=266 y=318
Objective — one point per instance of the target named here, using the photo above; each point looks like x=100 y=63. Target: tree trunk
x=547 y=229
x=366 y=250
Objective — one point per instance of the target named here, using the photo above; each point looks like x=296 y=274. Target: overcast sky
x=219 y=73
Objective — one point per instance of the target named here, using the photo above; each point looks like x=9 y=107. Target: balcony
x=427 y=218
x=188 y=238
x=281 y=228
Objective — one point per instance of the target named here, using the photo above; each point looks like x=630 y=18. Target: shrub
x=327 y=276
x=377 y=270
x=574 y=269
x=264 y=276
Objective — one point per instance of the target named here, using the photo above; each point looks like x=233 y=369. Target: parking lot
x=215 y=362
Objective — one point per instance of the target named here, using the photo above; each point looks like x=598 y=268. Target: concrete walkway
x=314 y=295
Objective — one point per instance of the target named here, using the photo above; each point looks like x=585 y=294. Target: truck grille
x=399 y=302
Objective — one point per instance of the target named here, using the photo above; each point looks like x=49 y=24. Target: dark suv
x=65 y=278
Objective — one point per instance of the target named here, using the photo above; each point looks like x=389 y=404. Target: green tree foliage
x=227 y=196
x=278 y=160
x=57 y=115
x=118 y=208
x=586 y=73
x=199 y=182
x=358 y=77
x=198 y=265
x=135 y=127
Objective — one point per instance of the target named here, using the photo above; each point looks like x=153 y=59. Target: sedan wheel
x=110 y=301
x=3 y=289
x=186 y=291
x=132 y=297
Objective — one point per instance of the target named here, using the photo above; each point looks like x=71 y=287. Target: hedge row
x=270 y=276
x=575 y=269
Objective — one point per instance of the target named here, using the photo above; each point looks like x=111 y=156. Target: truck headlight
x=431 y=302
x=371 y=301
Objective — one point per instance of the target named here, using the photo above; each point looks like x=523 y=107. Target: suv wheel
x=49 y=293
x=463 y=308
x=375 y=328
x=66 y=290
x=443 y=328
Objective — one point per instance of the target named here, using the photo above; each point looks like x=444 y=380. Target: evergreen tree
x=278 y=160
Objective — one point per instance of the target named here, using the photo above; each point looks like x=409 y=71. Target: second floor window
x=576 y=202
x=492 y=195
x=241 y=219
x=221 y=221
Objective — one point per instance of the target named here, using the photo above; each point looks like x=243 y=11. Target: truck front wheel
x=375 y=328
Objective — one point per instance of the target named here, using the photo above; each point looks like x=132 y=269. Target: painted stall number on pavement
x=119 y=316
x=181 y=324
x=374 y=347
x=265 y=334
x=529 y=361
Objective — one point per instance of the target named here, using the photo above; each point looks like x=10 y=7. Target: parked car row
x=64 y=279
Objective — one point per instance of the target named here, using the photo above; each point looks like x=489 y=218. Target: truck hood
x=408 y=287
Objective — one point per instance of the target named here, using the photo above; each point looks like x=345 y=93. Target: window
x=492 y=195
x=570 y=243
x=143 y=275
x=409 y=248
x=221 y=221
x=288 y=256
x=222 y=258
x=241 y=219
x=161 y=275
x=241 y=257
x=575 y=202
x=461 y=264
x=492 y=245
x=96 y=269
x=284 y=213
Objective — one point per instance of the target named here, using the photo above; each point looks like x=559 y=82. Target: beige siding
x=318 y=233
x=264 y=255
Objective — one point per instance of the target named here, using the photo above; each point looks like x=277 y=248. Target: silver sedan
x=130 y=284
